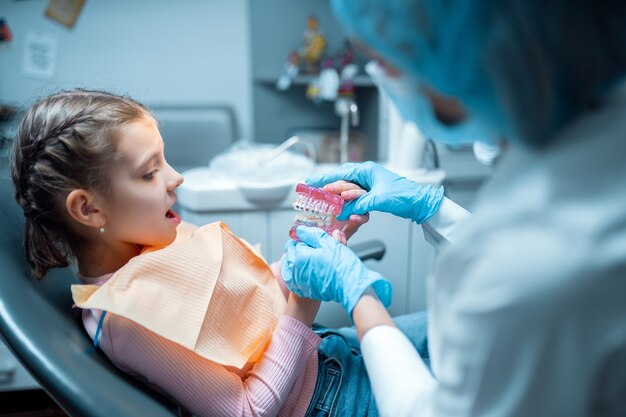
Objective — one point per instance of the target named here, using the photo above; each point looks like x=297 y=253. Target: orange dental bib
x=209 y=292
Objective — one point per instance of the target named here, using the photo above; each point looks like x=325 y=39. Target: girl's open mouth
x=172 y=216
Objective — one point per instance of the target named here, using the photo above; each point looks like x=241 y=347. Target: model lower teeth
x=316 y=208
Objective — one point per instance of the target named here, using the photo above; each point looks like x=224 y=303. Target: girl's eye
x=150 y=175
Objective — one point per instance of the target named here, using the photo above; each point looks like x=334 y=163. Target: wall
x=157 y=51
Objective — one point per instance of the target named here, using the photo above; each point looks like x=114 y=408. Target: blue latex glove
x=386 y=191
x=321 y=268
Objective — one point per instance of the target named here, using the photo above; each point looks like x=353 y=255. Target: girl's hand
x=302 y=309
x=349 y=191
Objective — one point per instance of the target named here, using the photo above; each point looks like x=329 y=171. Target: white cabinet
x=421 y=258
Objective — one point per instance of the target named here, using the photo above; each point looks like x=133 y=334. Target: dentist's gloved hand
x=321 y=268
x=386 y=191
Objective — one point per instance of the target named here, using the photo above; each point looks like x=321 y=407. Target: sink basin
x=259 y=193
x=259 y=180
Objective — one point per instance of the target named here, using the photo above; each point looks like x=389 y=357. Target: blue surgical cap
x=526 y=67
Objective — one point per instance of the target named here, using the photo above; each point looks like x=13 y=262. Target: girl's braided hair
x=64 y=142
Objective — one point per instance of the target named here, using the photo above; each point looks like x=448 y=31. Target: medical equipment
x=316 y=208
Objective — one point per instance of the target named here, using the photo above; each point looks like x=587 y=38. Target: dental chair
x=46 y=334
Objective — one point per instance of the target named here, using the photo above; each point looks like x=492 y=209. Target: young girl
x=90 y=174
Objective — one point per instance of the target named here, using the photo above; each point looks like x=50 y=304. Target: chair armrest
x=372 y=249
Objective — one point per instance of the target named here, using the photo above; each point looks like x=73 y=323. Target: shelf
x=303 y=80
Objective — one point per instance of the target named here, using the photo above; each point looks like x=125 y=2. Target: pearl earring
x=101 y=229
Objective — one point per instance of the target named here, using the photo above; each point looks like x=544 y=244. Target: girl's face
x=143 y=190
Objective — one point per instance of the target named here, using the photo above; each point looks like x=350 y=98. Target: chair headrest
x=44 y=331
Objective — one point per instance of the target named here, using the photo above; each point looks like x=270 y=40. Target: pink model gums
x=316 y=208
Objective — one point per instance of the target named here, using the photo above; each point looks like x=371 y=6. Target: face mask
x=408 y=96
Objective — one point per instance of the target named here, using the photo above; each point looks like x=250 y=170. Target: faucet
x=347 y=109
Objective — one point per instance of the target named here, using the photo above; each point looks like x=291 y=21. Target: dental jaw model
x=316 y=208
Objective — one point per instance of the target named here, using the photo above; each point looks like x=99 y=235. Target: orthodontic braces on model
x=316 y=208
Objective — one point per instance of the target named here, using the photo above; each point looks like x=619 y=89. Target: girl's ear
x=80 y=205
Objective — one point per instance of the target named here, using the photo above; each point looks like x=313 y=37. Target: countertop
x=205 y=190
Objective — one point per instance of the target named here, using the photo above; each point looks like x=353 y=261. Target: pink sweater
x=281 y=383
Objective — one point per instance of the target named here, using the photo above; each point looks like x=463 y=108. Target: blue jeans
x=343 y=388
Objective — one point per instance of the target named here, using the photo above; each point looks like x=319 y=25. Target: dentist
x=527 y=300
